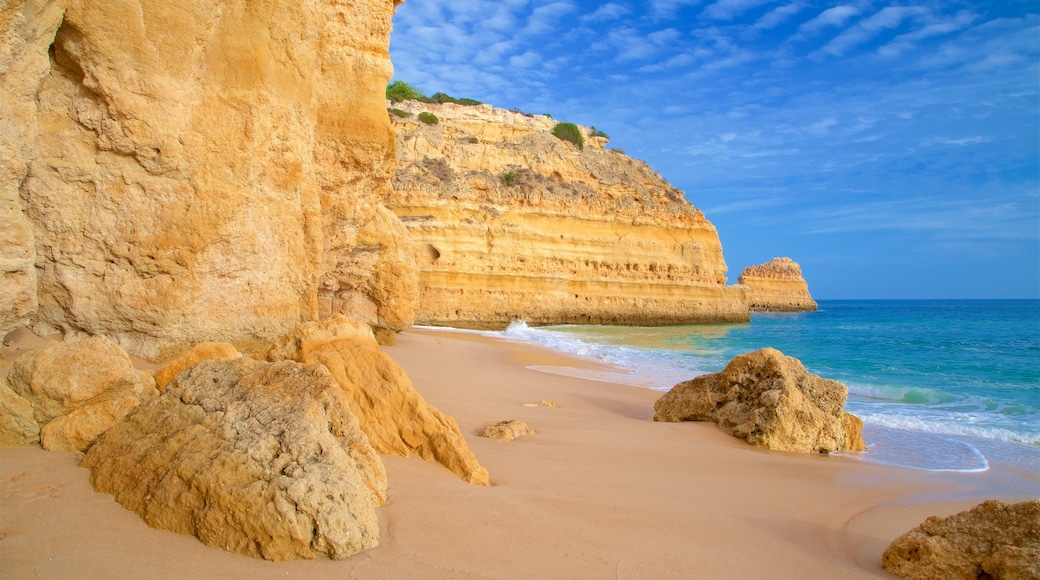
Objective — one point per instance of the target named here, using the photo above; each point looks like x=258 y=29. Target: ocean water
x=946 y=385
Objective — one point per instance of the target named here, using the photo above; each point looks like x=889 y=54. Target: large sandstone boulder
x=992 y=540
x=506 y=430
x=777 y=286
x=199 y=352
x=511 y=223
x=17 y=425
x=178 y=172
x=79 y=390
x=262 y=459
x=395 y=416
x=768 y=400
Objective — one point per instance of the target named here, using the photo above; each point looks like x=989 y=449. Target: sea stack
x=777 y=286
x=510 y=222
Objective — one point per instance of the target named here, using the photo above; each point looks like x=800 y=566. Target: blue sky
x=893 y=149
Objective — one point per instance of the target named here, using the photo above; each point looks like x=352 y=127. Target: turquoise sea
x=940 y=384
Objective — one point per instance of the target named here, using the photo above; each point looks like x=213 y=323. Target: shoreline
x=600 y=490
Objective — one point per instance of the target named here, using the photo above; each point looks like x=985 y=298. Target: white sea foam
x=908 y=426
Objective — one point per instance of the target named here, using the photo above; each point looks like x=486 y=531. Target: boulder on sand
x=506 y=430
x=991 y=540
x=768 y=400
x=396 y=418
x=261 y=459
x=79 y=390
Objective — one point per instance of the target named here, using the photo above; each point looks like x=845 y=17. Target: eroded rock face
x=777 y=286
x=768 y=400
x=396 y=418
x=261 y=459
x=186 y=171
x=512 y=223
x=992 y=540
x=17 y=425
x=79 y=390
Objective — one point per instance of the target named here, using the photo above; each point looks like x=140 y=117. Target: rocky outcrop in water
x=511 y=223
x=77 y=391
x=777 y=286
x=396 y=418
x=769 y=400
x=992 y=540
x=177 y=172
x=261 y=459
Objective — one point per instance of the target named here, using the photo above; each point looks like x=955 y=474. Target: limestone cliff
x=186 y=171
x=510 y=223
x=777 y=286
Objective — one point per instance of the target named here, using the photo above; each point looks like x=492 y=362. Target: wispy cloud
x=778 y=16
x=888 y=18
x=833 y=17
x=730 y=9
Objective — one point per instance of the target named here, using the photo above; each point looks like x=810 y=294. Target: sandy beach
x=600 y=491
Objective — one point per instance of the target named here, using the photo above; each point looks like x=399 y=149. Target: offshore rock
x=992 y=540
x=396 y=418
x=512 y=223
x=768 y=400
x=179 y=172
x=261 y=459
x=777 y=286
x=79 y=390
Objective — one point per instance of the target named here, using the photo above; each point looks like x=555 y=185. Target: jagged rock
x=992 y=540
x=79 y=390
x=506 y=430
x=777 y=286
x=17 y=425
x=180 y=172
x=395 y=416
x=768 y=400
x=511 y=223
x=218 y=350
x=262 y=459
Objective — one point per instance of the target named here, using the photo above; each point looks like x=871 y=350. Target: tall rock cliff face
x=510 y=223
x=186 y=171
x=777 y=286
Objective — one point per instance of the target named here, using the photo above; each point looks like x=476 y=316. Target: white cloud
x=548 y=17
x=525 y=60
x=831 y=17
x=778 y=16
x=668 y=8
x=905 y=42
x=888 y=18
x=609 y=11
x=730 y=9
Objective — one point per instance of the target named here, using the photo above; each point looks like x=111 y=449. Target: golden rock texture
x=261 y=459
x=197 y=353
x=769 y=400
x=512 y=223
x=17 y=425
x=991 y=540
x=193 y=171
x=777 y=286
x=506 y=430
x=396 y=418
x=79 y=390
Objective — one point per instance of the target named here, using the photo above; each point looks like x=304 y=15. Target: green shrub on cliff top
x=428 y=118
x=569 y=132
x=401 y=91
